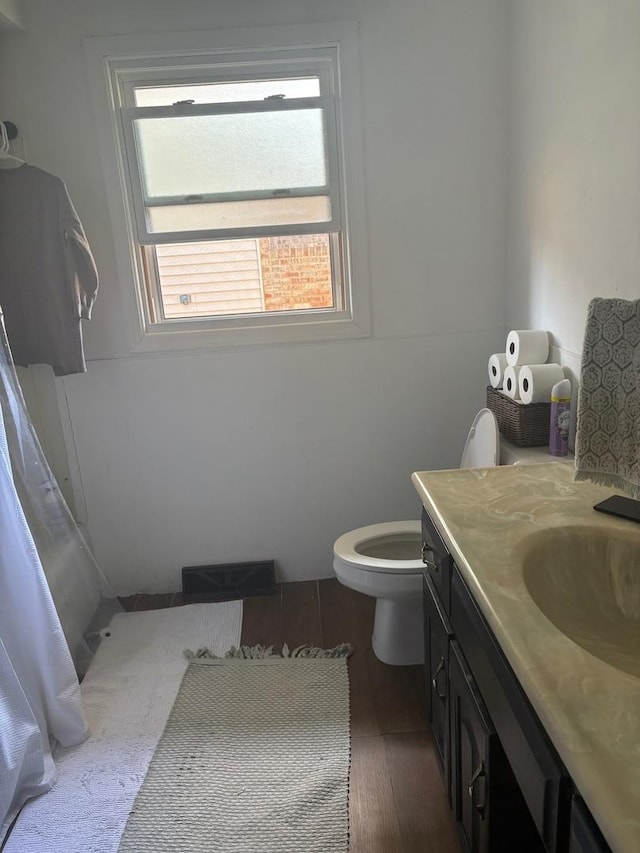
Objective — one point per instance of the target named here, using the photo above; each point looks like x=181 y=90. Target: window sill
x=157 y=339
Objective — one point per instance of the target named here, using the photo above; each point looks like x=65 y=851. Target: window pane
x=210 y=279
x=238 y=214
x=229 y=277
x=198 y=155
x=218 y=93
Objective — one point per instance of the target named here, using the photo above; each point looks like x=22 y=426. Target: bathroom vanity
x=532 y=658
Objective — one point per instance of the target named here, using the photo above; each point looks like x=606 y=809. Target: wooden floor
x=397 y=799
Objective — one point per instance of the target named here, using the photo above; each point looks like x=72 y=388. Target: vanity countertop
x=590 y=709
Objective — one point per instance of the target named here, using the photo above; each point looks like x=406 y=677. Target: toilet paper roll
x=527 y=346
x=510 y=383
x=497 y=364
x=536 y=381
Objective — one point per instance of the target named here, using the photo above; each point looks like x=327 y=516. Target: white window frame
x=117 y=64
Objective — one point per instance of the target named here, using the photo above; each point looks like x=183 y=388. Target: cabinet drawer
x=538 y=770
x=437 y=560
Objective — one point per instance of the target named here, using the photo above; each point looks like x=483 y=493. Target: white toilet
x=385 y=561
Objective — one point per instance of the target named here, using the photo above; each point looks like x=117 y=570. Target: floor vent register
x=228 y=581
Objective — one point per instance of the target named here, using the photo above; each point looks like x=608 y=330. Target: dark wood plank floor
x=397 y=799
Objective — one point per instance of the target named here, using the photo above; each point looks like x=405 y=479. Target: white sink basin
x=586 y=581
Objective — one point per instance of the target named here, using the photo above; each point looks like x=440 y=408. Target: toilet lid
x=482 y=447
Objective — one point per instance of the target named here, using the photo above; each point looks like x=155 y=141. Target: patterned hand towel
x=608 y=428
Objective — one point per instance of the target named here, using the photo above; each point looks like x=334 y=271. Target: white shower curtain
x=40 y=699
x=83 y=598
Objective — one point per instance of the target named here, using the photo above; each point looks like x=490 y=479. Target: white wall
x=273 y=452
x=10 y=14
x=574 y=197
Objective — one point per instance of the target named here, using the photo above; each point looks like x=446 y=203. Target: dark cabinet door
x=585 y=837
x=490 y=812
x=539 y=778
x=471 y=743
x=437 y=633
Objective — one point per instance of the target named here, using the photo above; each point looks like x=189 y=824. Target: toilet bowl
x=385 y=561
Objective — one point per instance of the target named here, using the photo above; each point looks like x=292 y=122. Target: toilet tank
x=512 y=455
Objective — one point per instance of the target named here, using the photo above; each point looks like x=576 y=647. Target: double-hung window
x=239 y=180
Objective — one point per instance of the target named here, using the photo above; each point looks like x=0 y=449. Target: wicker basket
x=523 y=425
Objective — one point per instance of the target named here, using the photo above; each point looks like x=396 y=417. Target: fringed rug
x=254 y=758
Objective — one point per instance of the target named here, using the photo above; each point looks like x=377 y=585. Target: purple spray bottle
x=560 y=418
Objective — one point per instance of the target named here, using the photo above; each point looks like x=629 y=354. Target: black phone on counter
x=621 y=506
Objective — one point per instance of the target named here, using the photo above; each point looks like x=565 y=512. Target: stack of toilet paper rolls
x=523 y=372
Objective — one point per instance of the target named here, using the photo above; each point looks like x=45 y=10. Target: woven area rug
x=254 y=759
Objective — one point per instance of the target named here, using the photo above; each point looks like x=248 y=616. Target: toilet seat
x=346 y=547
x=481 y=450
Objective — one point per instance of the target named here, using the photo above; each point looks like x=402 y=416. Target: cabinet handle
x=479 y=771
x=427 y=549
x=434 y=680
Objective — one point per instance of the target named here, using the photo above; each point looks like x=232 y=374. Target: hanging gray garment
x=48 y=278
